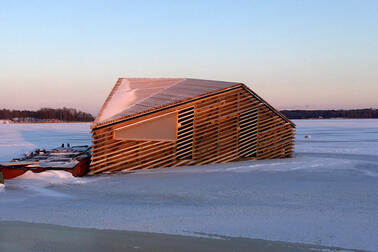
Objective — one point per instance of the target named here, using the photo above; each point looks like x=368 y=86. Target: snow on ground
x=327 y=194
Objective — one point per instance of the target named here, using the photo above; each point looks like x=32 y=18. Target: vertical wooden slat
x=215 y=129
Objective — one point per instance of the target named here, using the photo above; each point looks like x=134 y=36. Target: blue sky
x=296 y=54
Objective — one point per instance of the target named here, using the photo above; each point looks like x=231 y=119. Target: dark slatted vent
x=185 y=134
x=248 y=133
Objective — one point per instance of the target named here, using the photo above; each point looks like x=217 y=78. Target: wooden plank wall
x=220 y=128
x=275 y=138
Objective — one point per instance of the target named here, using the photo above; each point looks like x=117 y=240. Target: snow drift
x=327 y=194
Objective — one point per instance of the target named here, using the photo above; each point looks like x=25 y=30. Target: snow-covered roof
x=135 y=95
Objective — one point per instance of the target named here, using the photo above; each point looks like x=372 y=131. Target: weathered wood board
x=234 y=124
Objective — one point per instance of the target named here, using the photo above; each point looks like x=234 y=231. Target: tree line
x=60 y=114
x=316 y=114
x=73 y=115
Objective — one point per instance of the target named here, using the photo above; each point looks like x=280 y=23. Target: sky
x=295 y=54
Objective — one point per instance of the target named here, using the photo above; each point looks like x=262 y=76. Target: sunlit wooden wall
x=220 y=128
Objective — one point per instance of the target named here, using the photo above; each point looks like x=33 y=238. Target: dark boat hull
x=9 y=173
x=79 y=170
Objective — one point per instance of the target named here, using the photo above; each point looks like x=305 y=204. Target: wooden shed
x=161 y=122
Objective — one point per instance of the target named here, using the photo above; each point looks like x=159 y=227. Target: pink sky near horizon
x=91 y=94
x=295 y=54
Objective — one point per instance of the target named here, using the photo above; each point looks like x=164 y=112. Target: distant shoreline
x=45 y=115
x=51 y=122
x=368 y=113
x=73 y=122
x=41 y=122
x=337 y=118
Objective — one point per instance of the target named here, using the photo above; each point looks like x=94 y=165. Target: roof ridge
x=181 y=80
x=149 y=78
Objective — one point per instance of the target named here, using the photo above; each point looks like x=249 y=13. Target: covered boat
x=73 y=159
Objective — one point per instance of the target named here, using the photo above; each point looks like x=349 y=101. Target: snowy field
x=327 y=194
